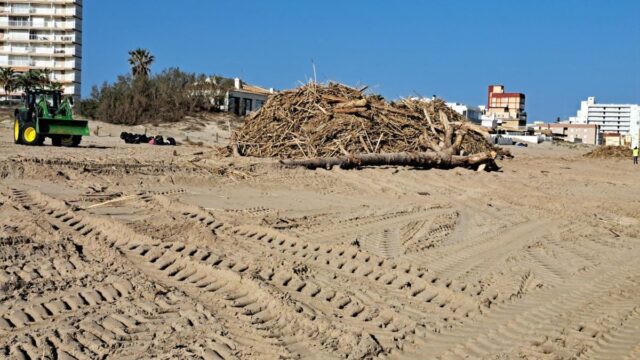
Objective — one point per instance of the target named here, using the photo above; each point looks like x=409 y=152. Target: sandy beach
x=132 y=251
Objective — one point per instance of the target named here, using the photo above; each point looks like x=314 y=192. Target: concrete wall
x=533 y=139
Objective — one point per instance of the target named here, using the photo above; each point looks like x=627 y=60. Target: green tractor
x=46 y=114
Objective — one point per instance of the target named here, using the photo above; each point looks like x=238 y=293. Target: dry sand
x=208 y=257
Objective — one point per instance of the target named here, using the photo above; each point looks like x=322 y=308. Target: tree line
x=135 y=98
x=140 y=97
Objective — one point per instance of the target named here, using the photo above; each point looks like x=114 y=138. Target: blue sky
x=556 y=52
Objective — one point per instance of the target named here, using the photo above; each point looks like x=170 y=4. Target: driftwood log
x=432 y=159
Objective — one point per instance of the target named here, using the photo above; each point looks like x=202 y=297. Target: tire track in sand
x=447 y=301
x=622 y=342
x=519 y=322
x=98 y=318
x=276 y=319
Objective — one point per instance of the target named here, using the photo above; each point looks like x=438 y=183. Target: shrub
x=166 y=97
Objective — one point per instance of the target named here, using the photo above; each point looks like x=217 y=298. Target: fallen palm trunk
x=435 y=159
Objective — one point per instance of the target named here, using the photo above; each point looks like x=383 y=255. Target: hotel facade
x=39 y=35
x=622 y=120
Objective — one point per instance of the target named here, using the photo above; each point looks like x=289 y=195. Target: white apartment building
x=472 y=113
x=622 y=119
x=43 y=34
x=476 y=114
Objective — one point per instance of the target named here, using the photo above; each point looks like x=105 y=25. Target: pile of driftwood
x=610 y=152
x=325 y=125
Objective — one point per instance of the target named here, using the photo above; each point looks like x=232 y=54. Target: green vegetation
x=7 y=77
x=28 y=80
x=144 y=98
x=140 y=61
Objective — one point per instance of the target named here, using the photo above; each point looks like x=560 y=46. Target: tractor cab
x=48 y=103
x=45 y=113
x=52 y=95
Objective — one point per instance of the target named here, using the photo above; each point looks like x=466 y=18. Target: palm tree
x=54 y=85
x=29 y=79
x=45 y=77
x=7 y=80
x=140 y=61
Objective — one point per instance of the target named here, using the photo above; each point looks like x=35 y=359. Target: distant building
x=619 y=119
x=576 y=133
x=43 y=34
x=490 y=123
x=615 y=139
x=507 y=108
x=472 y=113
x=244 y=98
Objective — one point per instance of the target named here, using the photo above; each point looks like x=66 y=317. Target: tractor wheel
x=69 y=141
x=29 y=135
x=16 y=132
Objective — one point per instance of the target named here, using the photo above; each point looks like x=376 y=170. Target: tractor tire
x=68 y=140
x=76 y=140
x=29 y=135
x=17 y=132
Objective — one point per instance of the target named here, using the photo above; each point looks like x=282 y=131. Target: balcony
x=18 y=63
x=38 y=11
x=13 y=23
x=40 y=64
x=63 y=78
x=15 y=11
x=41 y=38
x=53 y=12
x=19 y=38
x=43 y=25
x=16 y=50
x=39 y=51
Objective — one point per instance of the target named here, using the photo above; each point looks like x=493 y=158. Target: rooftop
x=252 y=89
x=586 y=126
x=241 y=86
x=592 y=101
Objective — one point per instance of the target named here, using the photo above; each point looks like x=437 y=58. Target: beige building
x=39 y=34
x=577 y=133
x=617 y=139
x=506 y=108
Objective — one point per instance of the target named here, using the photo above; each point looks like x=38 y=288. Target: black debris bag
x=130 y=138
